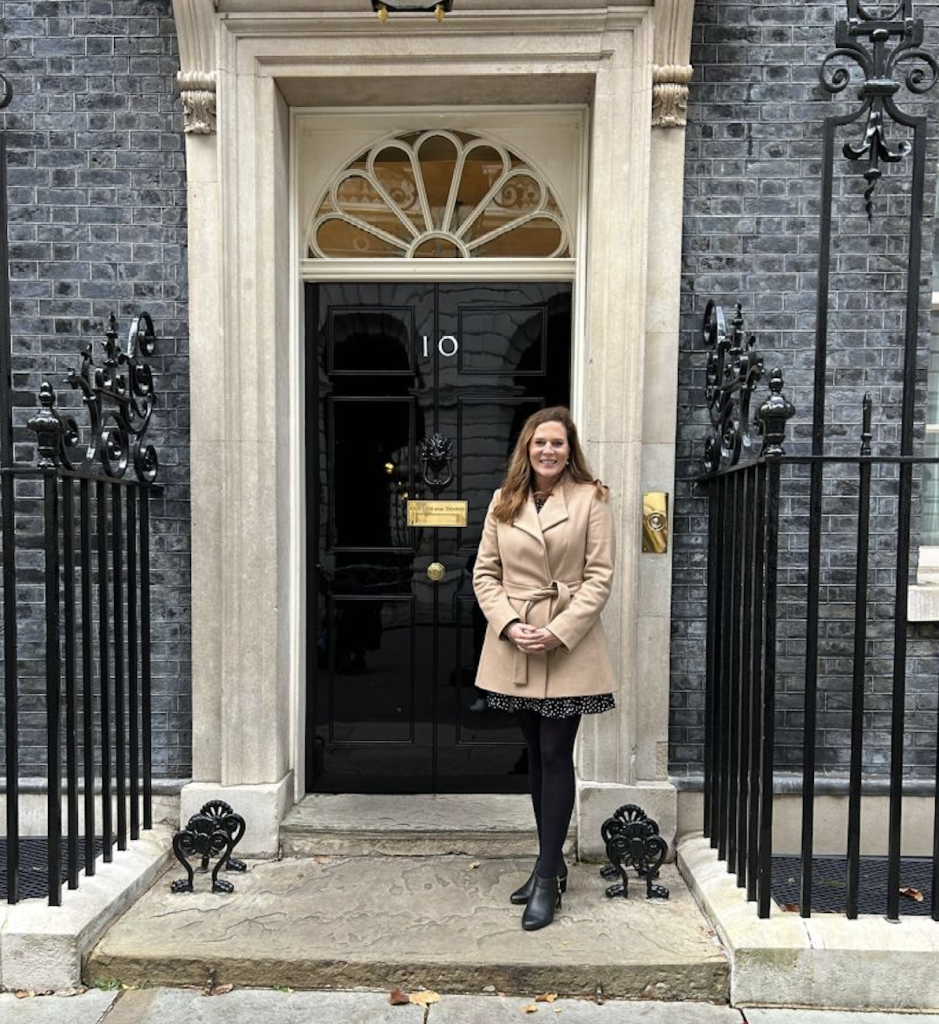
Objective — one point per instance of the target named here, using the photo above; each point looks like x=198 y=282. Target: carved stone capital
x=670 y=95
x=196 y=32
x=197 y=90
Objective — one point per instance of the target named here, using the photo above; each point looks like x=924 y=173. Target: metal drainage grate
x=34 y=877
x=830 y=884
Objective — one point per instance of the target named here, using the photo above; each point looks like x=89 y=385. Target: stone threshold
x=824 y=962
x=411 y=825
x=42 y=947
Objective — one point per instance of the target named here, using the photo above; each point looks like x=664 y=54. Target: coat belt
x=555 y=589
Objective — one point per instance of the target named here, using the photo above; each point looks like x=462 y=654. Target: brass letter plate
x=437 y=513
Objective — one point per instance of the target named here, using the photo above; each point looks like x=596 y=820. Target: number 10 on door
x=447 y=346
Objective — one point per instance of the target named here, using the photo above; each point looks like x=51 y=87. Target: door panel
x=391 y=701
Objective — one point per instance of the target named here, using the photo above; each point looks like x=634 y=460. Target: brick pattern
x=98 y=224
x=752 y=200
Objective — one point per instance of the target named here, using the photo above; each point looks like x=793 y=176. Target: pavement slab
x=86 y=1008
x=247 y=1006
x=508 y=1010
x=788 y=1016
x=442 y=923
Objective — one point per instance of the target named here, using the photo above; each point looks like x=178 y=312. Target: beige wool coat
x=554 y=569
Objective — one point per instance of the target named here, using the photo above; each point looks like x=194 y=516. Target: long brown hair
x=519 y=476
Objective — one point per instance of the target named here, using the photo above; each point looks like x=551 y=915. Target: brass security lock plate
x=655 y=522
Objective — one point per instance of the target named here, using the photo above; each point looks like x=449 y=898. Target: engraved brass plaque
x=437 y=513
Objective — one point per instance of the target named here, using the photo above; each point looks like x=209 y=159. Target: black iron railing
x=829 y=500
x=76 y=544
x=750 y=508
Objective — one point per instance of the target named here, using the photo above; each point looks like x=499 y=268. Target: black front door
x=394 y=631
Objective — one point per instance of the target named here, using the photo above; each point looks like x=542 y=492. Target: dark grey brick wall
x=753 y=167
x=98 y=224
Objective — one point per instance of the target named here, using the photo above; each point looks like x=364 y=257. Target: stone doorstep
x=42 y=947
x=413 y=825
x=824 y=962
x=336 y=923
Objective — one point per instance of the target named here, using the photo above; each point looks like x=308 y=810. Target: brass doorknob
x=436 y=572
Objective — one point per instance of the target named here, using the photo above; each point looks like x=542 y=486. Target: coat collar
x=537 y=523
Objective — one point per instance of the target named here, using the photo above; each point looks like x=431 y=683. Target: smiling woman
x=543 y=575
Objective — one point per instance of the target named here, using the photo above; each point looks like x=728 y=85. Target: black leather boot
x=544 y=900
x=521 y=895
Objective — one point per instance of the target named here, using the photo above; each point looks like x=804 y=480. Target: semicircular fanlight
x=437 y=194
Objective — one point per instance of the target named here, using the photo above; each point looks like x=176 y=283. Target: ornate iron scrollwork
x=733 y=369
x=437 y=460
x=214 y=832
x=880 y=68
x=119 y=396
x=632 y=840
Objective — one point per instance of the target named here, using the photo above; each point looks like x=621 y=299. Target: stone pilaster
x=195 y=27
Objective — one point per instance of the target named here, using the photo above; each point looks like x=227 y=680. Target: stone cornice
x=320 y=8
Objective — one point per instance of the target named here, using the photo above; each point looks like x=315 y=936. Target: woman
x=542 y=576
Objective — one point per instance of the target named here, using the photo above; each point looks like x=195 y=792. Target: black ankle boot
x=521 y=895
x=544 y=900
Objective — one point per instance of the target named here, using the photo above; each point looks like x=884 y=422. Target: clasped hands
x=532 y=639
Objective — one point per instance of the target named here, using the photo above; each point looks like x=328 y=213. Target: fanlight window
x=433 y=195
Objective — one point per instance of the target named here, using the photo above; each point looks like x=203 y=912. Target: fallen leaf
x=22 y=993
x=531 y=1008
x=474 y=864
x=424 y=998
x=398 y=997
x=546 y=997
x=221 y=990
x=789 y=908
x=565 y=942
x=914 y=894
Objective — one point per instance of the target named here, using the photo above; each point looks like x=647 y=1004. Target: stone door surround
x=244 y=65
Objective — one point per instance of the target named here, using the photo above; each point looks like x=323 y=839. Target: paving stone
x=87 y=1008
x=502 y=1010
x=761 y=1016
x=428 y=922
x=160 y=1006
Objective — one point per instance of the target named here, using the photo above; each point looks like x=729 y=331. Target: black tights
x=551 y=773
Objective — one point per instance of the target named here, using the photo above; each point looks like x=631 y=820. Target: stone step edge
x=413 y=844
x=696 y=982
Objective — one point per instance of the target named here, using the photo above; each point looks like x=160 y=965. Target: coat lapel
x=527 y=521
x=554 y=511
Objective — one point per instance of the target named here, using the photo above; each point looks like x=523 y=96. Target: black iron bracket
x=632 y=841
x=214 y=832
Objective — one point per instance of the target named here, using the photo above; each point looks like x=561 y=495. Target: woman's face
x=548 y=452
